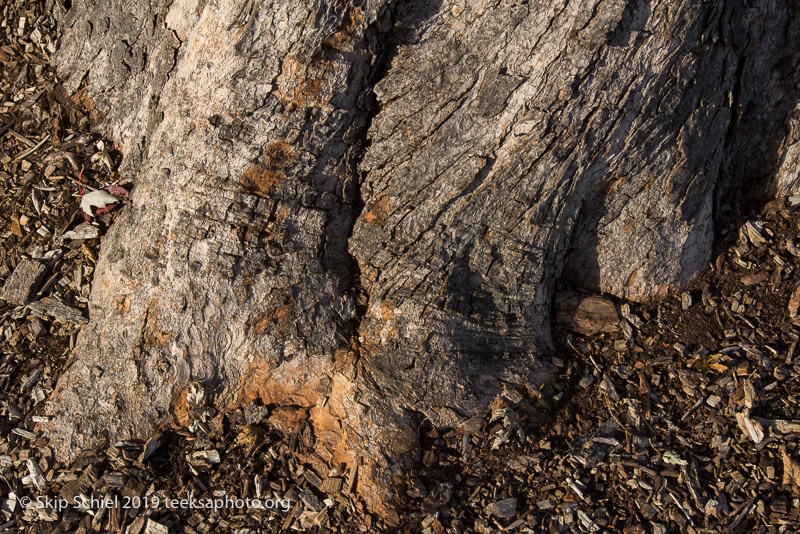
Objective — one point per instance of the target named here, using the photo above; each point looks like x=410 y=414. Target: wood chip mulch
x=682 y=416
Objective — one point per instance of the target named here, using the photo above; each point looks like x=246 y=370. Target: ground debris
x=681 y=416
x=54 y=308
x=23 y=282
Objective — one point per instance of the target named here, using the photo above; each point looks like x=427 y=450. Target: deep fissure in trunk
x=356 y=212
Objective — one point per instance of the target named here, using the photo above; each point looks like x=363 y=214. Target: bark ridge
x=361 y=209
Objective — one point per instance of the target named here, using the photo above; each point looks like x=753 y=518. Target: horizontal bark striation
x=231 y=266
x=509 y=134
x=509 y=140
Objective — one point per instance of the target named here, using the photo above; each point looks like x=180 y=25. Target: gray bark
x=371 y=202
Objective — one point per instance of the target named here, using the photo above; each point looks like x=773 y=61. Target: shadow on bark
x=359 y=215
x=745 y=99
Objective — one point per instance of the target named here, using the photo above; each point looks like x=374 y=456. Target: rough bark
x=370 y=202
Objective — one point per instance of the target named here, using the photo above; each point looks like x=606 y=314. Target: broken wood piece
x=82 y=231
x=35 y=472
x=52 y=307
x=23 y=282
x=505 y=509
x=750 y=427
x=586 y=314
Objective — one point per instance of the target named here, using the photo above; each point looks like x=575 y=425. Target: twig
x=33 y=148
x=90 y=188
x=21 y=138
x=680 y=506
x=744 y=511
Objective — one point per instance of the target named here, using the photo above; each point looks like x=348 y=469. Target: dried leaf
x=82 y=231
x=100 y=200
x=89 y=253
x=710 y=364
x=510 y=425
x=753 y=232
x=117 y=190
x=250 y=437
x=195 y=395
x=105 y=159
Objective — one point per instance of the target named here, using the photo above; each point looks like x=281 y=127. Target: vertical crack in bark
x=275 y=186
x=381 y=38
x=239 y=275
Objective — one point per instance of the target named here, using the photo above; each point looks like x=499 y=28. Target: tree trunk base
x=358 y=212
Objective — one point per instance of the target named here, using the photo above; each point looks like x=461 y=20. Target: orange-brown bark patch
x=629 y=225
x=152 y=334
x=301 y=84
x=280 y=318
x=261 y=181
x=342 y=38
x=82 y=99
x=288 y=419
x=283 y=318
x=262 y=323
x=266 y=176
x=387 y=310
x=179 y=407
x=277 y=155
x=277 y=386
x=123 y=305
x=378 y=212
x=300 y=400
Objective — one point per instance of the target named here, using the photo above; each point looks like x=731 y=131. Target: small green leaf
x=672 y=457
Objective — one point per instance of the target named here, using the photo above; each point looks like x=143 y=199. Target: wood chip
x=791 y=472
x=115 y=480
x=332 y=485
x=51 y=307
x=210 y=455
x=82 y=231
x=586 y=314
x=351 y=478
x=781 y=426
x=31 y=380
x=794 y=306
x=35 y=472
x=507 y=508
x=153 y=527
x=750 y=427
x=23 y=282
x=30 y=436
x=756 y=278
x=314 y=479
x=311 y=501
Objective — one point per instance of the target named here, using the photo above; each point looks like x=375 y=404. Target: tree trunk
x=369 y=203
